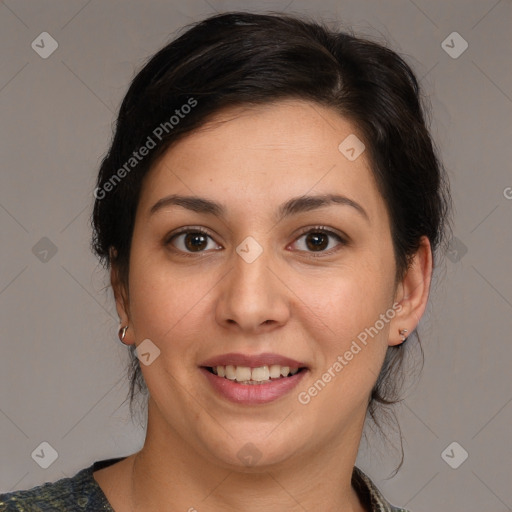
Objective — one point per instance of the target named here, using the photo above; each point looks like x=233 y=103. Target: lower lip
x=251 y=394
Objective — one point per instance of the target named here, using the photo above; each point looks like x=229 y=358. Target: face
x=255 y=275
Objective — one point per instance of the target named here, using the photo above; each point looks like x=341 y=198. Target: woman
x=269 y=211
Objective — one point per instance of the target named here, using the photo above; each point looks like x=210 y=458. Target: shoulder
x=79 y=493
x=371 y=495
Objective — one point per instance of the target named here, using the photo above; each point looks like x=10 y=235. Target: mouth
x=254 y=376
x=252 y=379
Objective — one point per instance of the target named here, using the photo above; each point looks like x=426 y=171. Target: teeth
x=230 y=372
x=243 y=373
x=275 y=371
x=249 y=375
x=260 y=374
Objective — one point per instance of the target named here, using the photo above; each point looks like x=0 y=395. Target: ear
x=121 y=297
x=412 y=293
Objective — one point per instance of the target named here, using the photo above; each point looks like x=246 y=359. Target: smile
x=251 y=376
x=256 y=386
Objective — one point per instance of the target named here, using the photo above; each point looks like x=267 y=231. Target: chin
x=254 y=453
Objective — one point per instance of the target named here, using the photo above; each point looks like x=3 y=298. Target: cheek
x=351 y=346
x=351 y=298
x=352 y=338
x=166 y=300
x=356 y=342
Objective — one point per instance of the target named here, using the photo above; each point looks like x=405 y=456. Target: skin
x=288 y=301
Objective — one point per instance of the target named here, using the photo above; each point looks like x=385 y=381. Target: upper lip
x=254 y=361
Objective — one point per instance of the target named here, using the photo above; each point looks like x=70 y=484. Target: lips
x=252 y=380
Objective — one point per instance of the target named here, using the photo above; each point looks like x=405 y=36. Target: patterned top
x=81 y=493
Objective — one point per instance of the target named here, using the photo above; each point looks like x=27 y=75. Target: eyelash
x=316 y=229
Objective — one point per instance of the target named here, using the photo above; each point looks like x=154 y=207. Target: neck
x=168 y=472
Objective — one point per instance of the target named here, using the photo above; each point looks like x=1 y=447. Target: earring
x=122 y=333
x=402 y=333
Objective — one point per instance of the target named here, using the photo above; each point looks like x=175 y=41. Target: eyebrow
x=291 y=207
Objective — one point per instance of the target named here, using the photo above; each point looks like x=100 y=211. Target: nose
x=251 y=297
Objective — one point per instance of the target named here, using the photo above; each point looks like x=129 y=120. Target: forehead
x=258 y=156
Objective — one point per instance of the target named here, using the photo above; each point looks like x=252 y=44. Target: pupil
x=319 y=241
x=195 y=241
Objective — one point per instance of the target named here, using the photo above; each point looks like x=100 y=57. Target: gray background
x=62 y=374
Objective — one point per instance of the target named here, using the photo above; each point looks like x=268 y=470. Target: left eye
x=318 y=240
x=193 y=241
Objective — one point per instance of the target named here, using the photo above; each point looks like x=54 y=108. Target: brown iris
x=195 y=241
x=317 y=241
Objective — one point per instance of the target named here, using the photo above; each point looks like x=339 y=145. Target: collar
x=370 y=495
